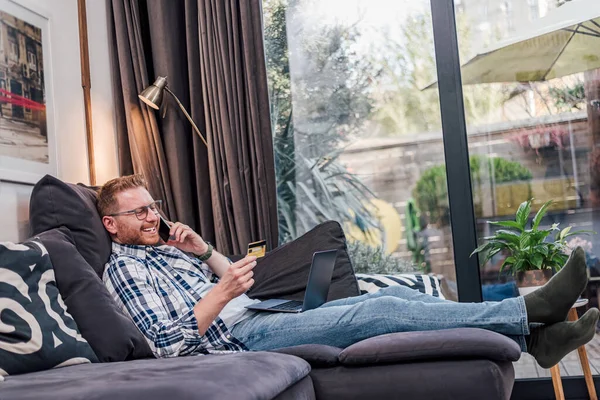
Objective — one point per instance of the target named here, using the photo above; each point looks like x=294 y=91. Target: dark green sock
x=549 y=344
x=551 y=303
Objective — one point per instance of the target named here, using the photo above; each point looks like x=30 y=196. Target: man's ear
x=109 y=225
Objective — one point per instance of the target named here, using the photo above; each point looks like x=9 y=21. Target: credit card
x=257 y=249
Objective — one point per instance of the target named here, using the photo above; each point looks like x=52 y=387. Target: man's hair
x=107 y=200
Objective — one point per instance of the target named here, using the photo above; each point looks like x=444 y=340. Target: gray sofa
x=451 y=364
x=448 y=364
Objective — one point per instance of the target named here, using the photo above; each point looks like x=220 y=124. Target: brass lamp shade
x=153 y=94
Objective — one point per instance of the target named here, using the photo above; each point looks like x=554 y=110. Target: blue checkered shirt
x=147 y=282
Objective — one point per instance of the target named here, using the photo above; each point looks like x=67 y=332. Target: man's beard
x=135 y=235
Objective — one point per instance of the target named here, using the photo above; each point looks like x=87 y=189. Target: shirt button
x=228 y=336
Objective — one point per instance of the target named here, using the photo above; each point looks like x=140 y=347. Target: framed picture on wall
x=27 y=130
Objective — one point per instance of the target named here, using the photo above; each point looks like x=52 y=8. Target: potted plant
x=531 y=256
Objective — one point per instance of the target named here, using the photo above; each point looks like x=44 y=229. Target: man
x=188 y=299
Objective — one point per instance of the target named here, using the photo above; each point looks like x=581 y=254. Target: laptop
x=317 y=288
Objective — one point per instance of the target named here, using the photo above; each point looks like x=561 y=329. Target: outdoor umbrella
x=566 y=41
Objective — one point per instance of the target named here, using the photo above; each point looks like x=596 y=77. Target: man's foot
x=549 y=344
x=551 y=303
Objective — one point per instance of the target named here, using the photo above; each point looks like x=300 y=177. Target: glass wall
x=533 y=130
x=356 y=137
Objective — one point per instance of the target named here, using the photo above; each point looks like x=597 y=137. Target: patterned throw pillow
x=36 y=331
x=371 y=283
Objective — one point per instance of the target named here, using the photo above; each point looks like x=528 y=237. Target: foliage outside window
x=373 y=260
x=431 y=190
x=331 y=100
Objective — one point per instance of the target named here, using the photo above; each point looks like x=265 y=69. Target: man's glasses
x=141 y=213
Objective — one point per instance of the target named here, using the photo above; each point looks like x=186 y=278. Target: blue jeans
x=343 y=322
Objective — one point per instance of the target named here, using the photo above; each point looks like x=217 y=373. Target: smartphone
x=164 y=229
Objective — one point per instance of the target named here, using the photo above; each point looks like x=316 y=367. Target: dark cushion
x=55 y=203
x=111 y=333
x=283 y=272
x=241 y=376
x=37 y=331
x=444 y=344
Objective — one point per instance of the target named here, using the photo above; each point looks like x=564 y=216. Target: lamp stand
x=187 y=115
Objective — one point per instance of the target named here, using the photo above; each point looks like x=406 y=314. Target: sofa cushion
x=36 y=331
x=55 y=203
x=411 y=346
x=451 y=379
x=428 y=284
x=444 y=344
x=283 y=272
x=110 y=332
x=251 y=376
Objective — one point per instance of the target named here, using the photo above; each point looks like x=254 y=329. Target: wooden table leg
x=559 y=394
x=585 y=364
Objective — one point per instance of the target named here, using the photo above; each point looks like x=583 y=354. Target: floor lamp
x=153 y=96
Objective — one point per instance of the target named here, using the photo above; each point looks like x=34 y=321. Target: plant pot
x=528 y=281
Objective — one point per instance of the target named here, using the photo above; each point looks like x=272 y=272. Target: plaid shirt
x=148 y=284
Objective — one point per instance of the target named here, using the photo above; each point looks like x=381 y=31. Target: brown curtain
x=212 y=53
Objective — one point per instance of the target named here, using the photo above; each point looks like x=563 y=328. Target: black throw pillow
x=37 y=331
x=283 y=272
x=110 y=332
x=55 y=203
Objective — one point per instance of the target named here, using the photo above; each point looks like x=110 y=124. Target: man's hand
x=234 y=282
x=238 y=278
x=185 y=239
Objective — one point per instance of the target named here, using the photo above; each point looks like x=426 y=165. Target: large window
x=356 y=137
x=536 y=133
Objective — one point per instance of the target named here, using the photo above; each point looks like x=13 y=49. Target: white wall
x=103 y=116
x=69 y=110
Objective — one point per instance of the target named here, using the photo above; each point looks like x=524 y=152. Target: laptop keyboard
x=290 y=305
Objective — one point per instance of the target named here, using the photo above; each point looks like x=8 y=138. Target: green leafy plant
x=431 y=194
x=322 y=190
x=568 y=98
x=508 y=171
x=528 y=249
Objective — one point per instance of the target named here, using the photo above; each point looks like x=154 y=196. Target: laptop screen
x=319 y=279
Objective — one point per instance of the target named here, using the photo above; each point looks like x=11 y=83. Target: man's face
x=127 y=228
